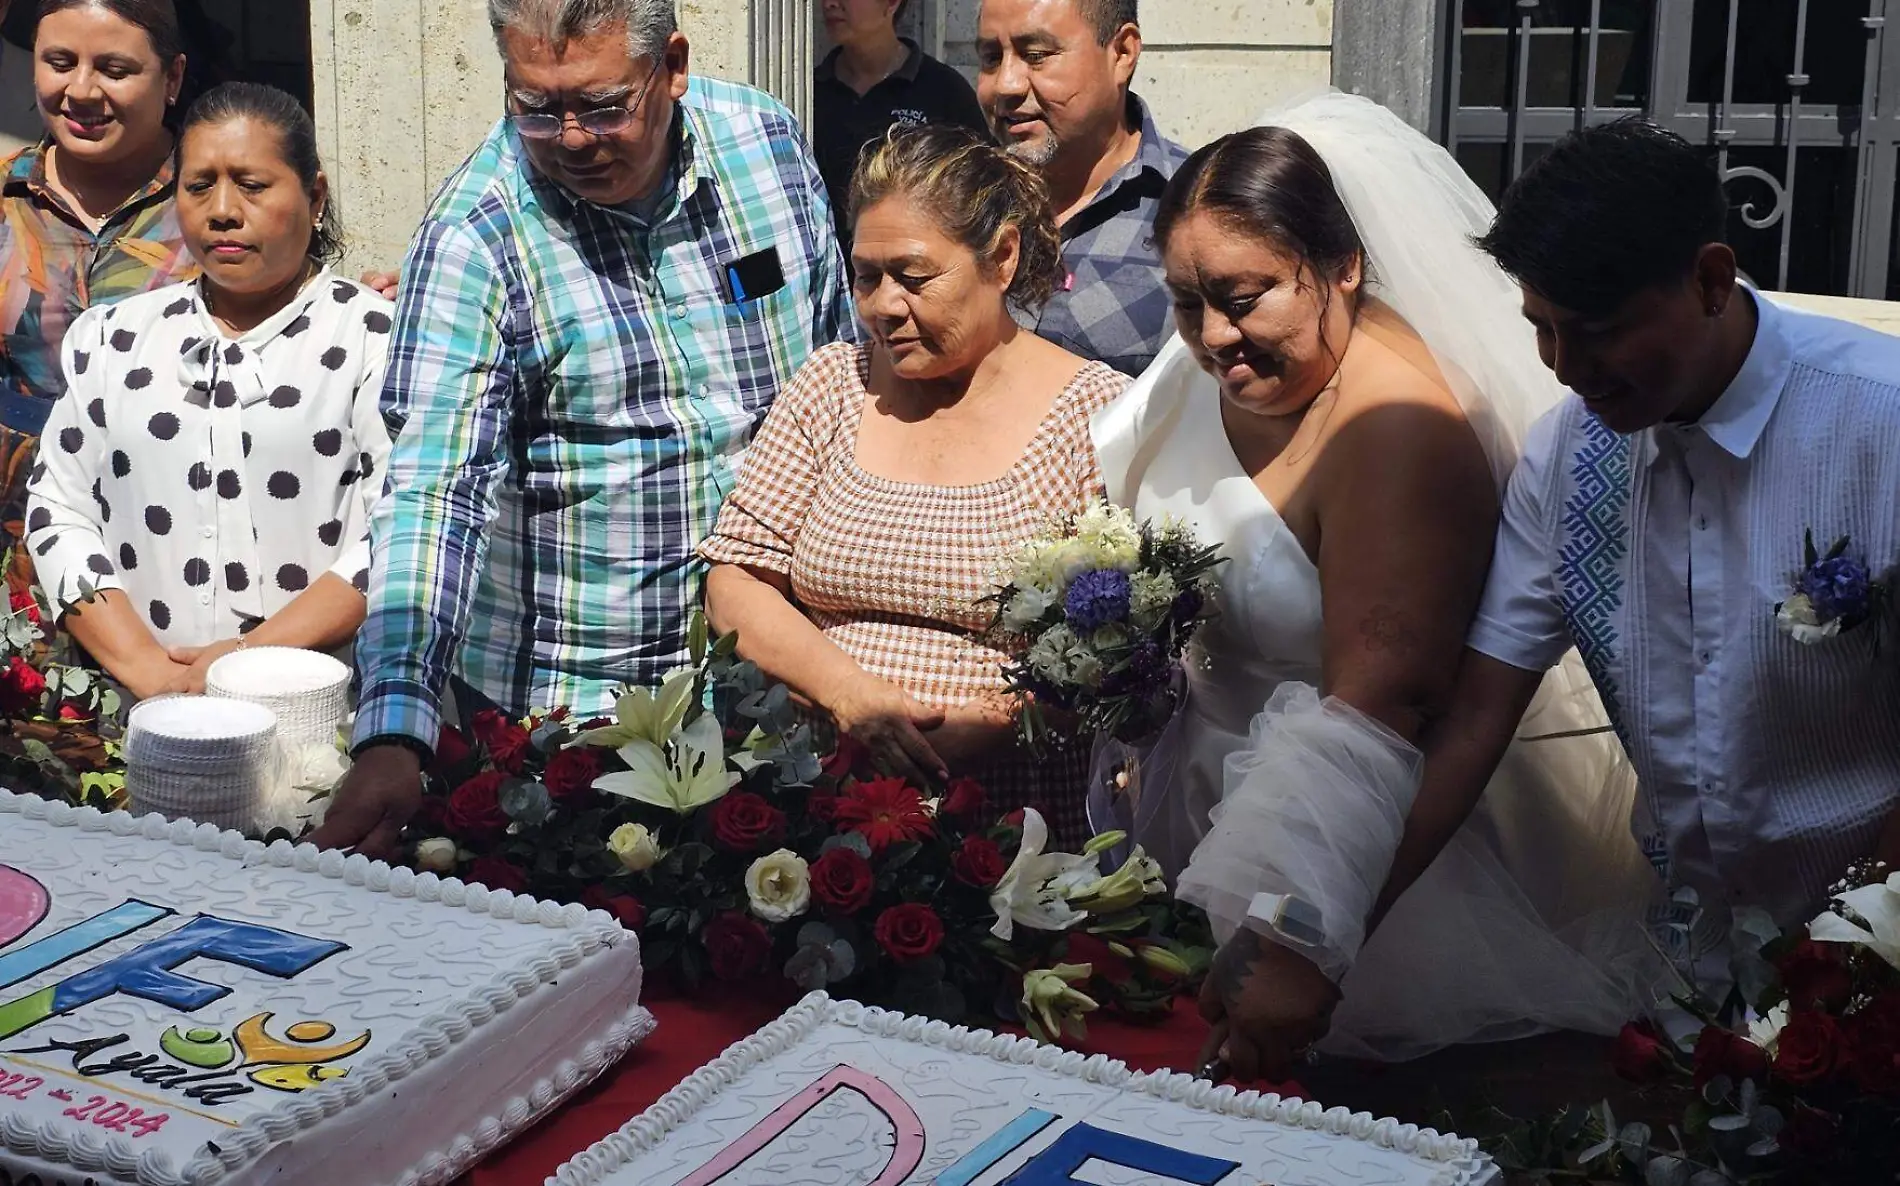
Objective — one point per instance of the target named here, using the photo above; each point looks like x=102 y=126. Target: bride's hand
x=1268 y=1004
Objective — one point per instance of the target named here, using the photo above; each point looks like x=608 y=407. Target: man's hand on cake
x=374 y=801
x=1268 y=1005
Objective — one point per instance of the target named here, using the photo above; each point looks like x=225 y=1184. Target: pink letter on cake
x=23 y=903
x=909 y=1129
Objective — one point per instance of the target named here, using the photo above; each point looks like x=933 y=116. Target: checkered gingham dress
x=893 y=571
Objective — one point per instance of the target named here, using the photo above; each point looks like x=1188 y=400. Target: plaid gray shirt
x=1115 y=308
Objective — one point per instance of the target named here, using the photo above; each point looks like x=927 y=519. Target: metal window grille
x=1798 y=101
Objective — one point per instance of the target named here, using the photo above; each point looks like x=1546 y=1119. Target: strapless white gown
x=1531 y=919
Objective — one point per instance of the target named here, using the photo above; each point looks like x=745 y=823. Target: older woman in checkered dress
x=892 y=480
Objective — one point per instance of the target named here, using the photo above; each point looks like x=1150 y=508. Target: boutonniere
x=1833 y=593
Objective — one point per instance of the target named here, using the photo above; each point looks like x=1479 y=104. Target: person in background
x=595 y=316
x=86 y=215
x=892 y=481
x=873 y=80
x=1053 y=77
x=211 y=467
x=20 y=125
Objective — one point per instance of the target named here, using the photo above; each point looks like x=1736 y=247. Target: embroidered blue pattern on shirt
x=1590 y=568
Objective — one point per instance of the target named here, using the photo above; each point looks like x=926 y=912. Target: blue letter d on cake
x=146 y=970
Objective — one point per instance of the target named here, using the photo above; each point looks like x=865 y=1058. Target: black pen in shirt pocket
x=755 y=276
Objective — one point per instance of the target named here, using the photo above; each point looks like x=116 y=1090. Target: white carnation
x=1797 y=619
x=1027 y=606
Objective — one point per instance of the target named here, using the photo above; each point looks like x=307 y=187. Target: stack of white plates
x=203 y=758
x=308 y=690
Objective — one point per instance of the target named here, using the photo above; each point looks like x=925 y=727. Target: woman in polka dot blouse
x=212 y=465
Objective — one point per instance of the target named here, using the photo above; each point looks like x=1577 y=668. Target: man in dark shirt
x=1053 y=77
x=873 y=80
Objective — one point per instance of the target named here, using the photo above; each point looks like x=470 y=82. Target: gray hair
x=649 y=22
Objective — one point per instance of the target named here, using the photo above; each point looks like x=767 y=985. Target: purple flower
x=1188 y=604
x=1839 y=587
x=1096 y=599
x=1146 y=673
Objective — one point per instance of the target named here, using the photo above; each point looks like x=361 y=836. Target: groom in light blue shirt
x=1656 y=522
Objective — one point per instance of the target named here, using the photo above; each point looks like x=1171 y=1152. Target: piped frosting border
x=428 y=1038
x=1462 y=1163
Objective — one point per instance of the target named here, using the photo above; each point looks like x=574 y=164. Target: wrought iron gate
x=1798 y=101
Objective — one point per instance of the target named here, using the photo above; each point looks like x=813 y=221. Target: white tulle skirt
x=1532 y=919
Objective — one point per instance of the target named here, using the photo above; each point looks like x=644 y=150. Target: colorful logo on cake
x=293 y=1062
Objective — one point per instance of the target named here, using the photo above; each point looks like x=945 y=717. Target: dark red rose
x=1084 y=948
x=451 y=749
x=1873 y=1046
x=979 y=862
x=736 y=944
x=962 y=799
x=1720 y=1051
x=1809 y=1048
x=627 y=910
x=1810 y=1132
x=20 y=599
x=571 y=773
x=1641 y=1055
x=1014 y=819
x=475 y=813
x=744 y=822
x=507 y=743
x=70 y=712
x=498 y=874
x=20 y=688
x=841 y=880
x=1816 y=976
x=849 y=758
x=822 y=806
x=909 y=931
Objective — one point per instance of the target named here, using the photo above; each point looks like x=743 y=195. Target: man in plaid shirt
x=1053 y=76
x=595 y=315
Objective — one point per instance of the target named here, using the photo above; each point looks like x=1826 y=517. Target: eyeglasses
x=599 y=121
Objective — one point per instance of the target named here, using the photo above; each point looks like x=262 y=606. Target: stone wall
x=404 y=89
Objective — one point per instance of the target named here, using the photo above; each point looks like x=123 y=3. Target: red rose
x=20 y=688
x=475 y=812
x=1810 y=1132
x=1816 y=976
x=979 y=862
x=1014 y=819
x=627 y=910
x=1808 y=1049
x=571 y=773
x=841 y=880
x=963 y=799
x=909 y=931
x=506 y=742
x=1084 y=948
x=850 y=757
x=744 y=822
x=69 y=712
x=498 y=874
x=736 y=944
x=451 y=749
x=20 y=599
x=1873 y=1043
x=1720 y=1051
x=885 y=811
x=822 y=806
x=1640 y=1054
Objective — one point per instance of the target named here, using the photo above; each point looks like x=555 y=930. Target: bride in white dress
x=1340 y=409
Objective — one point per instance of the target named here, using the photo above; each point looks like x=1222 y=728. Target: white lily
x=1765 y=1031
x=682 y=777
x=1036 y=888
x=1879 y=906
x=646 y=715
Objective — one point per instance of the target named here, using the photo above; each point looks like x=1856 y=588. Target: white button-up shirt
x=213 y=479
x=1767 y=766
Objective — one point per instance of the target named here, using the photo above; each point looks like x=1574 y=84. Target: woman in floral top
x=891 y=482
x=87 y=215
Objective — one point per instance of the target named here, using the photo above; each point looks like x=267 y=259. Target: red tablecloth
x=693 y=1031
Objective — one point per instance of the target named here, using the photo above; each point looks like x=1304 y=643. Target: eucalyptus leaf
x=1634 y=1142
x=77 y=681
x=1665 y=1170
x=526 y=802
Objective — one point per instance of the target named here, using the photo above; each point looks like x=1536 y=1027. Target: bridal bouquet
x=1098 y=613
x=700 y=815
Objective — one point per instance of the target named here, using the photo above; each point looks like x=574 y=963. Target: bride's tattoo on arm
x=1385 y=629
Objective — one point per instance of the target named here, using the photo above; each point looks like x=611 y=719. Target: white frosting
x=966 y=1085
x=484 y=1010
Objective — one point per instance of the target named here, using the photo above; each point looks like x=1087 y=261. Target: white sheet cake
x=180 y=1006
x=837 y=1094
